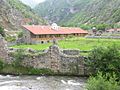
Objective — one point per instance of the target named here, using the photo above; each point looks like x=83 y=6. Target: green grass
x=36 y=47
x=20 y=70
x=75 y=43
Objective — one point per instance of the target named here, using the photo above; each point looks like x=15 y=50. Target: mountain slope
x=97 y=12
x=14 y=13
x=76 y=12
x=55 y=10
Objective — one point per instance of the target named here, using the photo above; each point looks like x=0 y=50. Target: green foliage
x=20 y=34
x=19 y=55
x=10 y=38
x=1 y=65
x=75 y=43
x=43 y=71
x=105 y=59
x=86 y=12
x=102 y=26
x=21 y=70
x=26 y=11
x=16 y=68
x=101 y=82
x=2 y=31
x=98 y=26
x=116 y=25
x=86 y=27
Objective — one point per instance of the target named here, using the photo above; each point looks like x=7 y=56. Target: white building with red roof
x=43 y=34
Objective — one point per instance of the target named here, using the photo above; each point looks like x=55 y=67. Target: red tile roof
x=37 y=29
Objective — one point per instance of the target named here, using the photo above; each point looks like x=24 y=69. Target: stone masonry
x=56 y=60
x=60 y=61
x=3 y=49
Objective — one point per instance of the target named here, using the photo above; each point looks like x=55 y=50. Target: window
x=48 y=41
x=39 y=36
x=42 y=42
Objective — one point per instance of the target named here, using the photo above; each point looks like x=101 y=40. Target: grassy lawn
x=36 y=47
x=75 y=43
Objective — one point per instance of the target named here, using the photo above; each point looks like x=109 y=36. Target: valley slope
x=14 y=13
x=77 y=12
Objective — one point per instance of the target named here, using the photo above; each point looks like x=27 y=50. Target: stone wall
x=3 y=49
x=60 y=61
x=104 y=37
x=26 y=36
x=71 y=52
x=56 y=60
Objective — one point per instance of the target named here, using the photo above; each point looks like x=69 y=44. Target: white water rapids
x=41 y=83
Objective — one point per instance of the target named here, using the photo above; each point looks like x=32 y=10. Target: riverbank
x=10 y=69
x=20 y=70
x=41 y=83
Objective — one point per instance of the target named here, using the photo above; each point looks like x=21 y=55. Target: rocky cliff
x=14 y=13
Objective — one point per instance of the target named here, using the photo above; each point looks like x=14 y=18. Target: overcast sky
x=32 y=3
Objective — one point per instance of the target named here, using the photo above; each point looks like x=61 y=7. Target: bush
x=43 y=71
x=19 y=55
x=86 y=27
x=2 y=31
x=101 y=82
x=20 y=34
x=1 y=65
x=102 y=26
x=105 y=59
x=10 y=38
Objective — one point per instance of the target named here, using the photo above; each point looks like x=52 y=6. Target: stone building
x=115 y=30
x=44 y=34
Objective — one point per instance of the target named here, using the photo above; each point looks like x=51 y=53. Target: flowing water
x=41 y=83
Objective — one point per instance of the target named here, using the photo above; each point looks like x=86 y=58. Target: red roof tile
x=37 y=29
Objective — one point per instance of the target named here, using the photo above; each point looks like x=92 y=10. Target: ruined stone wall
x=3 y=49
x=56 y=60
x=71 y=52
x=72 y=65
x=60 y=61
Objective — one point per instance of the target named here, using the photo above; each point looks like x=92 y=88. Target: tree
x=105 y=59
x=102 y=26
x=85 y=27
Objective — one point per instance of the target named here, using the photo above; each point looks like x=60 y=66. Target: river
x=9 y=82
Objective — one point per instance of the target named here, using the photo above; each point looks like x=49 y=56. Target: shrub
x=2 y=31
x=10 y=38
x=101 y=82
x=86 y=27
x=1 y=65
x=105 y=59
x=20 y=34
x=102 y=26
x=19 y=55
x=43 y=71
